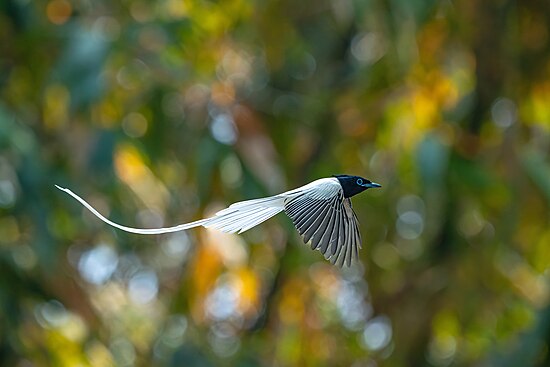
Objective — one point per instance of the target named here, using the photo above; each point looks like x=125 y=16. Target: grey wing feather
x=323 y=239
x=326 y=220
x=322 y=235
x=313 y=225
x=340 y=239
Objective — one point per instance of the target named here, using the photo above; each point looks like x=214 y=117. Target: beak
x=374 y=184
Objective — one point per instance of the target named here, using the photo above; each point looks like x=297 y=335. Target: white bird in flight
x=321 y=212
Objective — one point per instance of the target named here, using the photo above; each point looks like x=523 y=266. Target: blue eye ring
x=359 y=182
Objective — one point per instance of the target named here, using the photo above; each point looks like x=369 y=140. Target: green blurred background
x=162 y=112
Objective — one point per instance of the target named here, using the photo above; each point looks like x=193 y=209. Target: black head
x=353 y=185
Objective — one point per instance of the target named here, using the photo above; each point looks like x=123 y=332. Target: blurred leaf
x=81 y=64
x=538 y=170
x=433 y=158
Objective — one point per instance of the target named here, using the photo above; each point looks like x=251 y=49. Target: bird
x=321 y=211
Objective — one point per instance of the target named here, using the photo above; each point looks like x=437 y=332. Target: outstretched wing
x=326 y=219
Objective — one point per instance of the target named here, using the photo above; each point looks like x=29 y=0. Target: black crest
x=353 y=185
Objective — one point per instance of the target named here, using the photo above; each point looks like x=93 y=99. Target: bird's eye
x=360 y=182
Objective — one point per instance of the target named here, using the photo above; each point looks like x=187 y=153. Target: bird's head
x=353 y=185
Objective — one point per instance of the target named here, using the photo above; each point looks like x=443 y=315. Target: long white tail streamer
x=238 y=217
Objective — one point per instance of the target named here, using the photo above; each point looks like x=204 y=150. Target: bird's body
x=321 y=212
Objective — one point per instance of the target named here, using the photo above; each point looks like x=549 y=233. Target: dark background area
x=162 y=112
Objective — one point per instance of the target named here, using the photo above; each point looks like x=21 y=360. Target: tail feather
x=245 y=215
x=267 y=213
x=177 y=228
x=270 y=201
x=238 y=217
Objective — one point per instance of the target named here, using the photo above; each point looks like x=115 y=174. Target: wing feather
x=308 y=216
x=335 y=234
x=317 y=228
x=324 y=242
x=345 y=244
x=350 y=243
x=341 y=234
x=357 y=242
x=320 y=238
x=357 y=239
x=312 y=225
x=340 y=240
x=301 y=211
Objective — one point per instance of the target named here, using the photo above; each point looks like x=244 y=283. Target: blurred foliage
x=161 y=112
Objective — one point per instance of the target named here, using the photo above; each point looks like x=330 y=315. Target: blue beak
x=373 y=184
